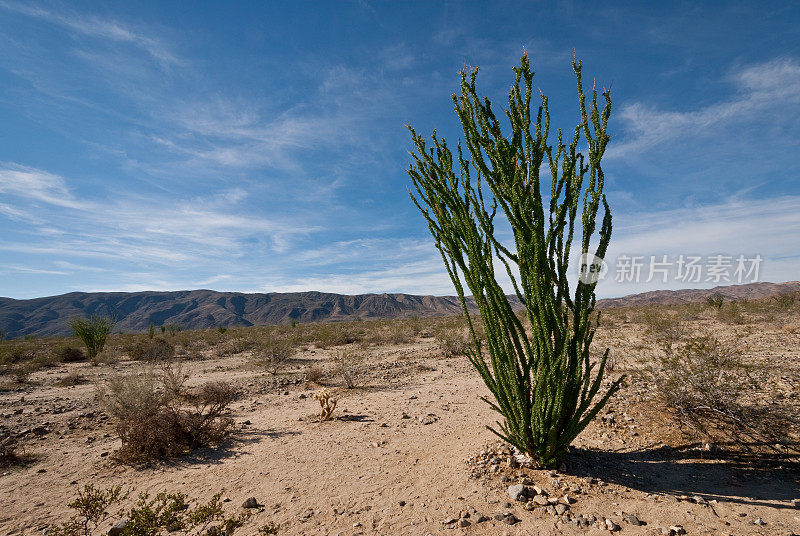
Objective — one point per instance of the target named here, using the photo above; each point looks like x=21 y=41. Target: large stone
x=517 y=492
x=250 y=502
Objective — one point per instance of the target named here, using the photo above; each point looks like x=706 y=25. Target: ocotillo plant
x=93 y=331
x=544 y=382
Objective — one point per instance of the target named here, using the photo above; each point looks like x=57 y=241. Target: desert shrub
x=151 y=331
x=15 y=353
x=166 y=512
x=234 y=346
x=715 y=300
x=173 y=329
x=315 y=374
x=92 y=509
x=156 y=417
x=786 y=300
x=453 y=341
x=706 y=384
x=71 y=379
x=662 y=325
x=274 y=352
x=347 y=367
x=543 y=380
x=155 y=349
x=68 y=354
x=731 y=314
x=93 y=331
x=8 y=449
x=337 y=334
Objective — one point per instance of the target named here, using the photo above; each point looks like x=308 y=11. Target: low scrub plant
x=152 y=349
x=68 y=354
x=347 y=365
x=9 y=446
x=708 y=387
x=662 y=325
x=164 y=513
x=453 y=341
x=157 y=417
x=315 y=374
x=71 y=379
x=274 y=352
x=93 y=331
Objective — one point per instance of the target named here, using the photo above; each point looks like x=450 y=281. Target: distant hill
x=750 y=291
x=201 y=309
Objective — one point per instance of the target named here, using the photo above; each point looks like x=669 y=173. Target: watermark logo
x=591 y=269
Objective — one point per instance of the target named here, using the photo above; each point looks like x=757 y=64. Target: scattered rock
x=463 y=523
x=561 y=509
x=509 y=519
x=517 y=492
x=250 y=502
x=633 y=520
x=760 y=522
x=613 y=527
x=541 y=500
x=118 y=528
x=675 y=530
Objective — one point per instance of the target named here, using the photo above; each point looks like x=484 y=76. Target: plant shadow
x=746 y=477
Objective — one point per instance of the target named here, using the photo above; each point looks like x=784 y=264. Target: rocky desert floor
x=408 y=451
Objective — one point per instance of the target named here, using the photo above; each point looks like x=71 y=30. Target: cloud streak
x=774 y=85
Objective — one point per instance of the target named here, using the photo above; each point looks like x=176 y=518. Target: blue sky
x=261 y=146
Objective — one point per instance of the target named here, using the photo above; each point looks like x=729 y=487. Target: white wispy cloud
x=35 y=184
x=99 y=28
x=140 y=229
x=770 y=86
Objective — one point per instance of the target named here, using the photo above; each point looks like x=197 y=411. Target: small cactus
x=326 y=404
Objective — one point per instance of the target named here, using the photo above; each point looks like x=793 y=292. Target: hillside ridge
x=202 y=309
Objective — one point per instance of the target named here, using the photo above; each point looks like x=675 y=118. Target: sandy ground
x=407 y=451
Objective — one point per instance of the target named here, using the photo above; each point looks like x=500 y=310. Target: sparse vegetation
x=157 y=417
x=703 y=381
x=8 y=450
x=543 y=381
x=315 y=374
x=453 y=341
x=347 y=368
x=93 y=331
x=715 y=300
x=170 y=512
x=275 y=352
x=152 y=349
x=71 y=379
x=68 y=354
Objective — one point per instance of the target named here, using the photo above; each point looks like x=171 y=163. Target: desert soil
x=406 y=452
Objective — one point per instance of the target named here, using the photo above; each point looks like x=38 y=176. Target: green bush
x=166 y=512
x=156 y=349
x=543 y=380
x=93 y=331
x=68 y=354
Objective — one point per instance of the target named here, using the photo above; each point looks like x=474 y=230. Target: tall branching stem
x=543 y=380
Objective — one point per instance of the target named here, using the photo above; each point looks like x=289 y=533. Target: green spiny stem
x=543 y=381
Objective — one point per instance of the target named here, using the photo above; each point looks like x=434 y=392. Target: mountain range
x=201 y=309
